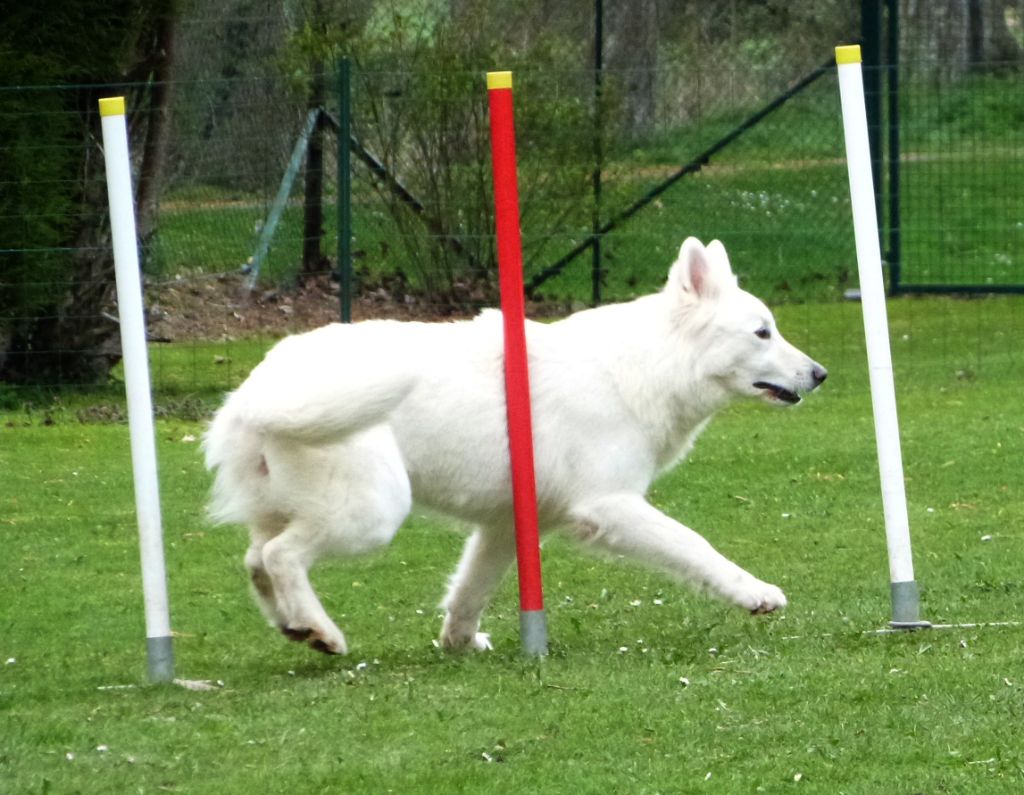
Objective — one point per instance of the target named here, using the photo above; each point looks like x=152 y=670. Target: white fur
x=326 y=445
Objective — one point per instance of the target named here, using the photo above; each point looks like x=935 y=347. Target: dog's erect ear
x=701 y=272
x=716 y=251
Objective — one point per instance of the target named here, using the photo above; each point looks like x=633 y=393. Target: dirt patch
x=220 y=307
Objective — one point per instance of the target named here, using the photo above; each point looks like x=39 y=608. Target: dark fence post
x=871 y=35
x=344 y=139
x=313 y=191
x=595 y=251
x=894 y=254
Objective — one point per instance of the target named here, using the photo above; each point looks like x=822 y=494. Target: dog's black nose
x=819 y=374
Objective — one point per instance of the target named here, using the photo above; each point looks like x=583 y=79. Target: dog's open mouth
x=777 y=392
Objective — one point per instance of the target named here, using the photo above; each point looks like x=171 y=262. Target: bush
x=411 y=111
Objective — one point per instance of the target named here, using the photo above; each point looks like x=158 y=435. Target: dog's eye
x=764 y=333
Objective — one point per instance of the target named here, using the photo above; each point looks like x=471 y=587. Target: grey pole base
x=906 y=606
x=160 y=659
x=533 y=632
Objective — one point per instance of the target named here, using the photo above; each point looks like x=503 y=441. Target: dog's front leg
x=626 y=524
x=485 y=559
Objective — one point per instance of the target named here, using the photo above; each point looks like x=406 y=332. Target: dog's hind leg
x=262 y=584
x=485 y=559
x=626 y=524
x=285 y=575
x=343 y=500
x=288 y=557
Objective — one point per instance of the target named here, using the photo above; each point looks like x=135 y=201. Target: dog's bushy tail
x=322 y=386
x=316 y=388
x=235 y=452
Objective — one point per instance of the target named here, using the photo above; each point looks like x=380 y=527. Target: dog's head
x=743 y=350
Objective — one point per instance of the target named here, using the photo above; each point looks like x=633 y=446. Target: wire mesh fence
x=961 y=168
x=601 y=132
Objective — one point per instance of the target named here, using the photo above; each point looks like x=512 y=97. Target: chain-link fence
x=634 y=131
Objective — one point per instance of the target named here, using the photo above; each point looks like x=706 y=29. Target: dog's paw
x=465 y=641
x=771 y=602
x=328 y=643
x=760 y=597
x=319 y=640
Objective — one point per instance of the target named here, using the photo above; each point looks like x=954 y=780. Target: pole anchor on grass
x=906 y=611
x=159 y=650
x=532 y=620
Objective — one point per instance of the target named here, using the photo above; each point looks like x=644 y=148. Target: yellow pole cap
x=112 y=106
x=848 y=54
x=499 y=80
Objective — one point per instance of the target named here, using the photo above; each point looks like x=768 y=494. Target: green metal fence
x=945 y=115
x=731 y=131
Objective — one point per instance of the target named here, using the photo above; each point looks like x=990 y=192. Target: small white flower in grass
x=188 y=437
x=69 y=756
x=986 y=538
x=11 y=661
x=635 y=603
x=623 y=649
x=797 y=776
x=102 y=748
x=708 y=776
x=659 y=601
x=684 y=681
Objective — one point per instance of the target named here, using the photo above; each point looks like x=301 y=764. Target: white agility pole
x=905 y=597
x=159 y=650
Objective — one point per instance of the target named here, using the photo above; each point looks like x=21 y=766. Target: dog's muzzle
x=783 y=395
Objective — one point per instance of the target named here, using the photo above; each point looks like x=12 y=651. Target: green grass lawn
x=648 y=688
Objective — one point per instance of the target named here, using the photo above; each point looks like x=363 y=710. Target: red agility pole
x=532 y=622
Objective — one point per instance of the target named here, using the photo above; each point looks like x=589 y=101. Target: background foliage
x=213 y=136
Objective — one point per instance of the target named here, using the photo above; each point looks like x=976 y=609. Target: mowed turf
x=648 y=688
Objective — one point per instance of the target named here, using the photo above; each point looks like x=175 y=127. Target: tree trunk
x=75 y=339
x=991 y=45
x=631 y=60
x=955 y=37
x=154 y=154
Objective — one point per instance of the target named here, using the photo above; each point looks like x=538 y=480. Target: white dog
x=332 y=437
